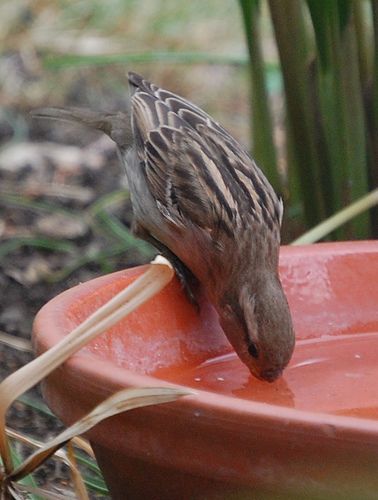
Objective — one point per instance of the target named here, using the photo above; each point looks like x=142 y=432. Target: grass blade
x=36 y=242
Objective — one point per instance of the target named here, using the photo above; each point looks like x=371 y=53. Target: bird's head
x=256 y=319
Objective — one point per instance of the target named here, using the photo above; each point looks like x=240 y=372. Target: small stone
x=61 y=226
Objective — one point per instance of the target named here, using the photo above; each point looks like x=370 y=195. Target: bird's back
x=194 y=169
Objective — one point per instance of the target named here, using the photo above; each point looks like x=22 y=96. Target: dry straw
x=157 y=276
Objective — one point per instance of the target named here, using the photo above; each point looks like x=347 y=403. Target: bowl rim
x=206 y=401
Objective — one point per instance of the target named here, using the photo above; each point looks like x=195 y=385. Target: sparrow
x=201 y=200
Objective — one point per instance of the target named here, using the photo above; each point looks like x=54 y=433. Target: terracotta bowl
x=311 y=434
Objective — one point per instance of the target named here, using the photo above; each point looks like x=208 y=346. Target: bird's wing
x=194 y=169
x=187 y=111
x=186 y=181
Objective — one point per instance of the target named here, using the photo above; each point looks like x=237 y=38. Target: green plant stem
x=291 y=40
x=261 y=121
x=356 y=184
x=341 y=106
x=373 y=171
x=364 y=42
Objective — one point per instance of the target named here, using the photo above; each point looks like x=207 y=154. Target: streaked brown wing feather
x=195 y=170
x=187 y=111
x=252 y=189
x=179 y=177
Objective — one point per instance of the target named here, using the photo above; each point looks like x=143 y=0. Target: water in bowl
x=332 y=374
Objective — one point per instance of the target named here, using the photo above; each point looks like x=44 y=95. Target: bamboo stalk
x=356 y=182
x=342 y=112
x=261 y=127
x=364 y=41
x=291 y=40
x=374 y=115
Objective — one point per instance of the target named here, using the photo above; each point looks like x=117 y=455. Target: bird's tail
x=115 y=125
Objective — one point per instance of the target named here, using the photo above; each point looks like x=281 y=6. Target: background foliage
x=327 y=52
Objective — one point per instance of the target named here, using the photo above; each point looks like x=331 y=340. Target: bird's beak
x=270 y=375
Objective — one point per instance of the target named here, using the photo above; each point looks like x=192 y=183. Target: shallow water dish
x=312 y=433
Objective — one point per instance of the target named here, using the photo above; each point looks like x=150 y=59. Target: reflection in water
x=334 y=375
x=278 y=393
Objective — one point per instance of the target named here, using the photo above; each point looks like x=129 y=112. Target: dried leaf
x=66 y=457
x=84 y=445
x=80 y=489
x=159 y=273
x=127 y=399
x=15 y=342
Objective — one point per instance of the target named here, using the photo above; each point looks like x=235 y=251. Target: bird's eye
x=252 y=349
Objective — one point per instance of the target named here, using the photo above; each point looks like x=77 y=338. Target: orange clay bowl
x=311 y=434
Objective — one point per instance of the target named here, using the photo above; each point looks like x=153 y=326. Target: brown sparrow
x=199 y=197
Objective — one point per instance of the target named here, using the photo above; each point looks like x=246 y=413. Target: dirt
x=48 y=195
